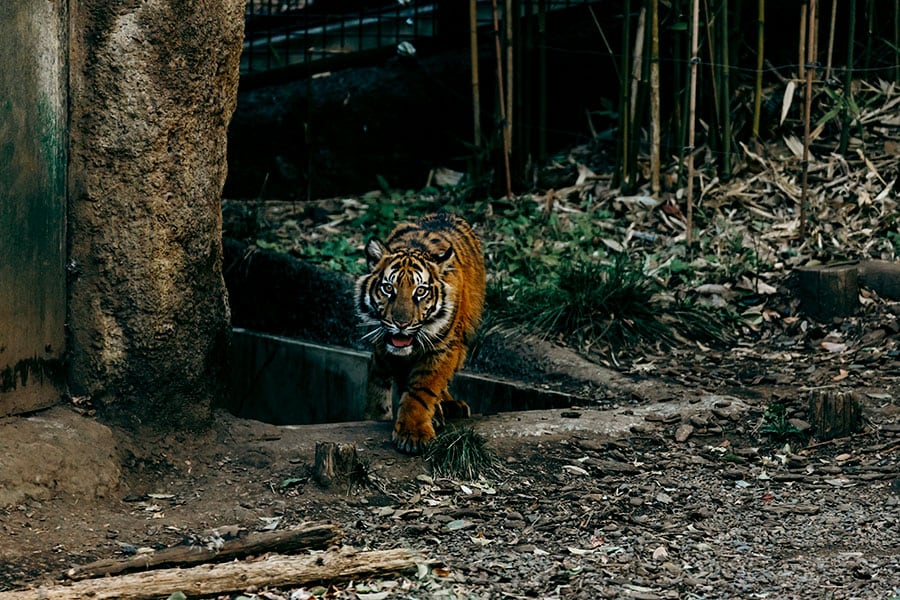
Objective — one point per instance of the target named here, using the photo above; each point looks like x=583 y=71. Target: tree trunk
x=153 y=86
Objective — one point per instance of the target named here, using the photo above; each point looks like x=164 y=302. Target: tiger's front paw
x=413 y=429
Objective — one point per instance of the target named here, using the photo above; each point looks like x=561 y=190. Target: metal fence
x=310 y=35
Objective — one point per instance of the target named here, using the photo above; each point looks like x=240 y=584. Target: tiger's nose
x=402 y=324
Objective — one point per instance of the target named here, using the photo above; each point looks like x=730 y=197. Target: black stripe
x=425 y=390
x=418 y=399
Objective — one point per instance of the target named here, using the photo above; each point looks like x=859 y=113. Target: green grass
x=777 y=426
x=460 y=453
x=616 y=304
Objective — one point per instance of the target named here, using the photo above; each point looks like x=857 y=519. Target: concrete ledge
x=285 y=381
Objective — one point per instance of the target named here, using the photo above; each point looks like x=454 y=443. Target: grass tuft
x=616 y=304
x=460 y=453
x=777 y=426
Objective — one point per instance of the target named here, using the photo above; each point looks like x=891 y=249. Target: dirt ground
x=663 y=485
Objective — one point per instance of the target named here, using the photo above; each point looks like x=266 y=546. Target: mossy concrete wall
x=32 y=203
x=153 y=84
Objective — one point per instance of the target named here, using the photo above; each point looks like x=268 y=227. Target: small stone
x=683 y=432
x=699 y=421
x=799 y=424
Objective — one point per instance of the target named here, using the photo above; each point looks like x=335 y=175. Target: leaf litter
x=726 y=511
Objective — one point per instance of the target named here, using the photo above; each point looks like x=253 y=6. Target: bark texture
x=153 y=86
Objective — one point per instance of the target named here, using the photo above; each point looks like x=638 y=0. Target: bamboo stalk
x=501 y=97
x=725 y=95
x=695 y=60
x=522 y=67
x=801 y=62
x=655 y=124
x=760 y=41
x=637 y=62
x=710 y=21
x=870 y=34
x=815 y=40
x=897 y=41
x=810 y=69
x=639 y=84
x=623 y=172
x=542 y=80
x=508 y=13
x=848 y=80
x=476 y=94
x=831 y=27
x=679 y=86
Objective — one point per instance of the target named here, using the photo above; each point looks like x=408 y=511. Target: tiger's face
x=404 y=298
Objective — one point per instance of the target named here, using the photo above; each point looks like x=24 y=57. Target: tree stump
x=834 y=414
x=829 y=291
x=335 y=463
x=881 y=276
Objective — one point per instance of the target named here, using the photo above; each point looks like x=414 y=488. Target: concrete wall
x=32 y=202
x=286 y=381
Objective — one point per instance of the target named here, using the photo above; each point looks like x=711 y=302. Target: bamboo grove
x=692 y=75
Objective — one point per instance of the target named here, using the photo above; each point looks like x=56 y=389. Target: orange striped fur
x=422 y=301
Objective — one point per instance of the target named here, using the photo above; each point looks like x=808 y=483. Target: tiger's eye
x=421 y=291
x=386 y=288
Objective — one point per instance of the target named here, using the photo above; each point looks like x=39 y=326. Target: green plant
x=776 y=424
x=461 y=453
x=613 y=303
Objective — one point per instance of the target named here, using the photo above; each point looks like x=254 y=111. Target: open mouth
x=399 y=340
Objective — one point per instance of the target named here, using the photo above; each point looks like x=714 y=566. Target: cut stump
x=829 y=291
x=881 y=276
x=336 y=463
x=834 y=414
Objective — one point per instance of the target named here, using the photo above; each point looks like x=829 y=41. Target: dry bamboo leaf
x=786 y=101
x=795 y=146
x=870 y=166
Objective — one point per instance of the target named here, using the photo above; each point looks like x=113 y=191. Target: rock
x=799 y=424
x=683 y=432
x=56 y=452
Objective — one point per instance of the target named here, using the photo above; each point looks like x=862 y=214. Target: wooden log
x=335 y=463
x=217 y=549
x=881 y=276
x=829 y=291
x=276 y=570
x=834 y=414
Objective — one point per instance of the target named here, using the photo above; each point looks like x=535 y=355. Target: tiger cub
x=422 y=299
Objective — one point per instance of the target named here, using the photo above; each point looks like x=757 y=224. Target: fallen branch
x=217 y=550
x=273 y=571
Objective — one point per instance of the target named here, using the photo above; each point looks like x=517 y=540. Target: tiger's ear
x=375 y=249
x=444 y=256
x=443 y=260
